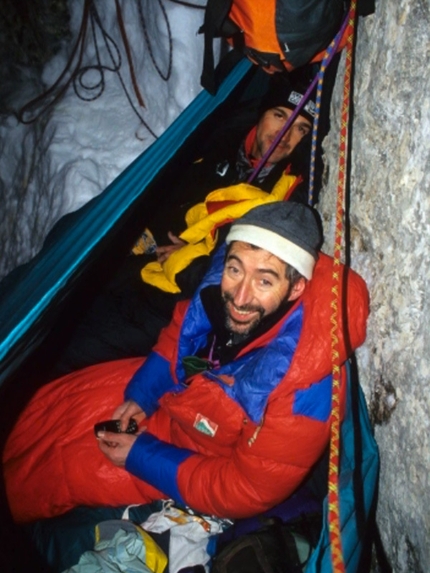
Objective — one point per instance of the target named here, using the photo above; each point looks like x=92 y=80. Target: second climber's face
x=268 y=128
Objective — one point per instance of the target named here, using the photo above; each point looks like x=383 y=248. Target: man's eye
x=232 y=270
x=303 y=130
x=265 y=283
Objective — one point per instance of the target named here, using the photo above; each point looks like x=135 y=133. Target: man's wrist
x=157 y=463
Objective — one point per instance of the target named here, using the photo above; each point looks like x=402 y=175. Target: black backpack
x=275 y=34
x=277 y=547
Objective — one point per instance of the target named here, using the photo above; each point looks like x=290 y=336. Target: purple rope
x=296 y=112
x=215 y=363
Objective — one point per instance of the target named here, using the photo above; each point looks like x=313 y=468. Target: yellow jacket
x=220 y=207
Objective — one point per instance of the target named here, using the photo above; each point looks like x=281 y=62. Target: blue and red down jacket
x=231 y=442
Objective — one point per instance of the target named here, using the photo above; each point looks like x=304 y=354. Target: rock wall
x=389 y=231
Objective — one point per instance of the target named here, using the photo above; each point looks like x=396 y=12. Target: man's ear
x=297 y=289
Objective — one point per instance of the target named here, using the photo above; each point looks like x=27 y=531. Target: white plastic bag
x=190 y=535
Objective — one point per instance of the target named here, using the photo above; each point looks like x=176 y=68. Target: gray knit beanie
x=286 y=229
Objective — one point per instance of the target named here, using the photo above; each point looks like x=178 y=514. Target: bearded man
x=233 y=404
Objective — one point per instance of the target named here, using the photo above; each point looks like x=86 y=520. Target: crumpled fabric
x=124 y=553
x=219 y=207
x=192 y=537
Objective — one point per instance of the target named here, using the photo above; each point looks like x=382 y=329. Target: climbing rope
x=164 y=76
x=348 y=28
x=55 y=92
x=328 y=56
x=82 y=77
x=128 y=53
x=336 y=318
x=86 y=90
x=91 y=90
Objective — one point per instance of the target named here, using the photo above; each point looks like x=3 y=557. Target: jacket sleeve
x=149 y=383
x=155 y=377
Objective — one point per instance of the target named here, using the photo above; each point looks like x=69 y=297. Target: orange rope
x=333 y=485
x=128 y=53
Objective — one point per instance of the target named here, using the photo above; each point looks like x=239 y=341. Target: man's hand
x=127 y=410
x=116 y=447
x=163 y=253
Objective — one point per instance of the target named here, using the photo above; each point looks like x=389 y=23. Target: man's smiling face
x=254 y=284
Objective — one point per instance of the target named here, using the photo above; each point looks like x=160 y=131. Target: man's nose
x=286 y=135
x=244 y=293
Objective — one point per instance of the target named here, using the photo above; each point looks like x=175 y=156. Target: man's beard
x=241 y=328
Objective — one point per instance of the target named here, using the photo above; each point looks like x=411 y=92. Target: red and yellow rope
x=333 y=485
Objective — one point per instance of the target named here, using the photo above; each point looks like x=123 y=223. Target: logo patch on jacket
x=205 y=426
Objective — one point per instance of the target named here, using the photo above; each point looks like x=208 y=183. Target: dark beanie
x=283 y=94
x=286 y=229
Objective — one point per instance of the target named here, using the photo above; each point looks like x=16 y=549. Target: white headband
x=282 y=248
